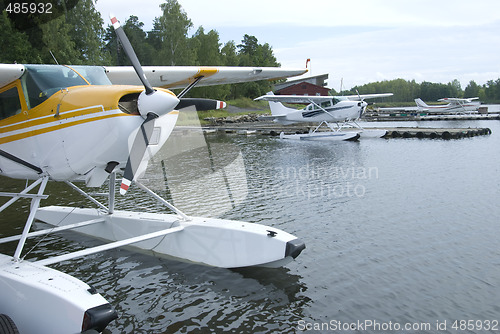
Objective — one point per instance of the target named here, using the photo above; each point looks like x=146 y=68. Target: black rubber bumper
x=294 y=248
x=97 y=318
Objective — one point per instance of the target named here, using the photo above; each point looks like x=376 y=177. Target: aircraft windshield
x=42 y=81
x=95 y=75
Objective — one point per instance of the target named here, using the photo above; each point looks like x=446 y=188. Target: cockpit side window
x=326 y=104
x=10 y=104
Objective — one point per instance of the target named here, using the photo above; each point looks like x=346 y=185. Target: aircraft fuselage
x=68 y=132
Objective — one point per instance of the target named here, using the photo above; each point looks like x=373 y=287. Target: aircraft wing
x=316 y=99
x=182 y=76
x=10 y=72
x=366 y=96
x=403 y=109
x=294 y=98
x=458 y=100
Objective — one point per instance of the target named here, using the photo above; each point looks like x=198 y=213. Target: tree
x=229 y=54
x=87 y=33
x=248 y=45
x=63 y=47
x=492 y=90
x=251 y=53
x=455 y=89
x=137 y=37
x=170 y=36
x=208 y=53
x=472 y=89
x=207 y=47
x=15 y=45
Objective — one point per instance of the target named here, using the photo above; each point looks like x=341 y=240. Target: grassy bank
x=238 y=107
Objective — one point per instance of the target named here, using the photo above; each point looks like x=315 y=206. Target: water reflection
x=419 y=246
x=202 y=176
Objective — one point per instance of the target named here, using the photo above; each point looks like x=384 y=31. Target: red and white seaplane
x=86 y=124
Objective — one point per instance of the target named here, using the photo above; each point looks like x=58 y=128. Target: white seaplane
x=455 y=105
x=88 y=123
x=343 y=111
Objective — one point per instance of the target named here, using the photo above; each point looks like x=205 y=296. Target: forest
x=75 y=33
x=409 y=90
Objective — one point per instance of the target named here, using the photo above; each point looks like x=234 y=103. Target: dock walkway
x=274 y=129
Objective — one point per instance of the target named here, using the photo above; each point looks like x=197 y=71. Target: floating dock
x=414 y=116
x=436 y=133
x=273 y=129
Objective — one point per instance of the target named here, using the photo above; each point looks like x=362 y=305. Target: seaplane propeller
x=152 y=104
x=362 y=104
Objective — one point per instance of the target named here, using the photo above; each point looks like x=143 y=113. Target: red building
x=312 y=86
x=303 y=88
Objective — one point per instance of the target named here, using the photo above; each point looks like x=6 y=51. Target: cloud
x=437 y=54
x=334 y=13
x=361 y=41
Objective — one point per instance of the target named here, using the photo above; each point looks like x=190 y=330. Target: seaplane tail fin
x=420 y=103
x=277 y=108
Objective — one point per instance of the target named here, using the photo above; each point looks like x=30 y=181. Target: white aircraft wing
x=403 y=109
x=182 y=76
x=458 y=100
x=366 y=96
x=10 y=72
x=294 y=98
x=175 y=76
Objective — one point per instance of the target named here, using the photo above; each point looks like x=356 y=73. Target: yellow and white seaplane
x=88 y=123
x=343 y=111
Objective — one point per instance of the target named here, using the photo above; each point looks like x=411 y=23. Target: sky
x=358 y=41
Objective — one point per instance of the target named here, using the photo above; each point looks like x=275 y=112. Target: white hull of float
x=323 y=136
x=213 y=242
x=43 y=300
x=372 y=133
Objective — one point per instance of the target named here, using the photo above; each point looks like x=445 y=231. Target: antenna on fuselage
x=54 y=57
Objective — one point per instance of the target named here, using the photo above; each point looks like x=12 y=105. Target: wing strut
x=20 y=161
x=191 y=85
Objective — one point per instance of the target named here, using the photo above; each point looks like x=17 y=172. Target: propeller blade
x=151 y=104
x=200 y=104
x=359 y=96
x=138 y=158
x=129 y=51
x=363 y=106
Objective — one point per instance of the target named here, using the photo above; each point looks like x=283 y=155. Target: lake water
x=401 y=236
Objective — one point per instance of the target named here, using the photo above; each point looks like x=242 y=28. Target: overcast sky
x=360 y=41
